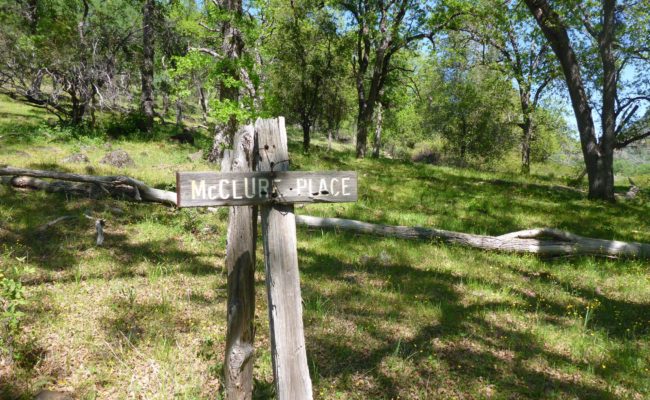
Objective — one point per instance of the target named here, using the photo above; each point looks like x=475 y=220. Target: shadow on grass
x=263 y=390
x=619 y=319
x=475 y=202
x=27 y=356
x=132 y=319
x=464 y=349
x=57 y=248
x=11 y=391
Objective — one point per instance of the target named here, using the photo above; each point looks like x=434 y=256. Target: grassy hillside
x=144 y=315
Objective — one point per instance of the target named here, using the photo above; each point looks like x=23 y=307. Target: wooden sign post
x=275 y=190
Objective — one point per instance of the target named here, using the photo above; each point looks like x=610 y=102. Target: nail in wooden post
x=289 y=355
x=240 y=263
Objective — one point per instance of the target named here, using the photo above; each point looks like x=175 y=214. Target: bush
x=427 y=156
x=428 y=153
x=12 y=296
x=133 y=122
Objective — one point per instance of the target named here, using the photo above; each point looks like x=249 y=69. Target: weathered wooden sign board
x=200 y=189
x=274 y=189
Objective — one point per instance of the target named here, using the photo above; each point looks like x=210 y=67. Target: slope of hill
x=144 y=315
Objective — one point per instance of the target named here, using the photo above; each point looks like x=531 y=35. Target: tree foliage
x=518 y=50
x=68 y=57
x=478 y=76
x=306 y=54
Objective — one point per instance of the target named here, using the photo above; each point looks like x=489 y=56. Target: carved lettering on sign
x=196 y=189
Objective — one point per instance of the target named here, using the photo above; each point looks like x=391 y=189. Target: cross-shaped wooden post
x=275 y=190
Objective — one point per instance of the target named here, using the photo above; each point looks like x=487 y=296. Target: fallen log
x=99 y=225
x=69 y=188
x=50 y=224
x=109 y=185
x=543 y=242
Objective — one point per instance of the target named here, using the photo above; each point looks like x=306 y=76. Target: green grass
x=144 y=315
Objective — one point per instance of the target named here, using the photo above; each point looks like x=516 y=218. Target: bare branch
x=629 y=101
x=540 y=89
x=205 y=50
x=626 y=119
x=584 y=18
x=208 y=28
x=630 y=140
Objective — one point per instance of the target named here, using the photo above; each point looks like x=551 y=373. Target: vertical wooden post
x=289 y=354
x=240 y=262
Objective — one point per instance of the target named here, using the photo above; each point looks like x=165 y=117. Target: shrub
x=426 y=155
x=133 y=122
x=12 y=296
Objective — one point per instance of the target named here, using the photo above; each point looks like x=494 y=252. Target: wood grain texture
x=289 y=355
x=110 y=185
x=240 y=263
x=199 y=189
x=543 y=242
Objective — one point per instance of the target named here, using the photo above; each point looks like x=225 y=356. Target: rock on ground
x=52 y=395
x=118 y=158
x=76 y=158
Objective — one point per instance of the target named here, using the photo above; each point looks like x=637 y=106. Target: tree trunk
x=368 y=102
x=231 y=47
x=329 y=139
x=81 y=82
x=179 y=113
x=147 y=68
x=203 y=99
x=378 y=126
x=35 y=87
x=600 y=173
x=603 y=187
x=463 y=145
x=78 y=108
x=364 y=122
x=380 y=67
x=306 y=133
x=92 y=108
x=598 y=157
x=222 y=138
x=165 y=99
x=527 y=135
x=306 y=128
x=526 y=127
